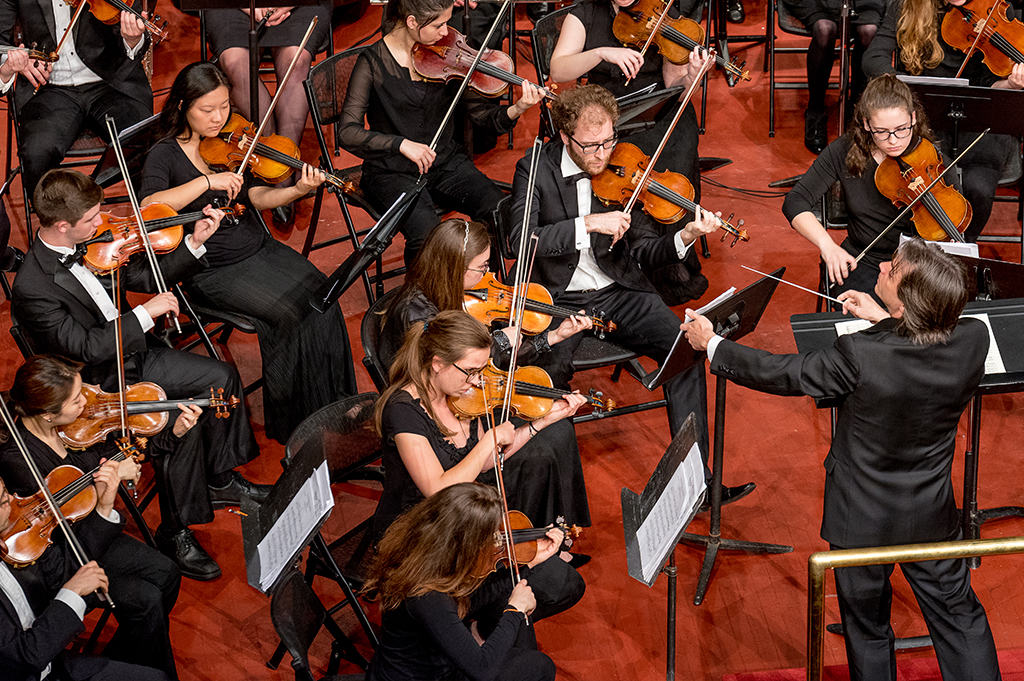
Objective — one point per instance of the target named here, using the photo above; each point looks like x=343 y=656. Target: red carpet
x=1011 y=665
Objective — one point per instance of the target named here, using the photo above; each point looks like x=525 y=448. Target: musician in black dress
x=403 y=112
x=919 y=50
x=431 y=579
x=427 y=446
x=587 y=46
x=228 y=31
x=307 y=360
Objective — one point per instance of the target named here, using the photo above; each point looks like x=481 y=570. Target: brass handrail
x=882 y=555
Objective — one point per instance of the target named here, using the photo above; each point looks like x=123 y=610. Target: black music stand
x=136 y=141
x=674 y=511
x=992 y=279
x=733 y=318
x=254 y=43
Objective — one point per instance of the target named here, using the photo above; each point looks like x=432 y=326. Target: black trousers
x=647 y=326
x=82 y=668
x=956 y=620
x=53 y=118
x=980 y=171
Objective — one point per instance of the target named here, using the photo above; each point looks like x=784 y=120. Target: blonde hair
x=917 y=34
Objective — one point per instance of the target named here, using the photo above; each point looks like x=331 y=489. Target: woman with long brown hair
x=911 y=33
x=888 y=120
x=427 y=447
x=431 y=574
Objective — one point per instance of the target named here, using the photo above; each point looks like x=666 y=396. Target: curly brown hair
x=917 y=34
x=572 y=105
x=884 y=92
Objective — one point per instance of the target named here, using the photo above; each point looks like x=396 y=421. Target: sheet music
x=966 y=249
x=993 y=360
x=725 y=295
x=675 y=507
x=288 y=535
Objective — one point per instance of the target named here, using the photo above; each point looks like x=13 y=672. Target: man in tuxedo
x=99 y=73
x=593 y=258
x=39 y=618
x=904 y=384
x=65 y=309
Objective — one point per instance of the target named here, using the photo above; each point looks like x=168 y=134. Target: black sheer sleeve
x=354 y=137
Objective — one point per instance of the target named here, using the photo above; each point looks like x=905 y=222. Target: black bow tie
x=76 y=257
x=571 y=180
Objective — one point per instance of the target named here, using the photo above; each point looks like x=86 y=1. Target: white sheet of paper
x=313 y=501
x=657 y=533
x=725 y=295
x=952 y=247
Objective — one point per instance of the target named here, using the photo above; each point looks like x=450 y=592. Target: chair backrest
x=297 y=614
x=369 y=334
x=326 y=88
x=544 y=37
x=787 y=22
x=345 y=432
x=502 y=219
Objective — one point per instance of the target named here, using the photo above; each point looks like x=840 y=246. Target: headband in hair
x=465 y=239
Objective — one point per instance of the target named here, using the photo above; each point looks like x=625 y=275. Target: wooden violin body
x=986 y=24
x=524 y=537
x=941 y=214
x=109 y=12
x=270 y=162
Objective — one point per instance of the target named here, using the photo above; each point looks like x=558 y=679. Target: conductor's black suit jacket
x=99 y=46
x=554 y=211
x=888 y=472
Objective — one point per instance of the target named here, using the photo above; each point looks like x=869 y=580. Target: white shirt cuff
x=145 y=321
x=132 y=51
x=114 y=516
x=712 y=346
x=5 y=86
x=582 y=238
x=72 y=600
x=199 y=251
x=681 y=248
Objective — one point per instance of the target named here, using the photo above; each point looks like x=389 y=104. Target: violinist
x=592 y=257
x=65 y=309
x=306 y=356
x=588 y=47
x=46 y=395
x=228 y=31
x=41 y=613
x=99 y=73
x=910 y=32
x=887 y=120
x=426 y=447
x=427 y=578
x=902 y=386
x=403 y=112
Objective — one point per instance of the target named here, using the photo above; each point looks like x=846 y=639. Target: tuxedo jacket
x=59 y=316
x=553 y=214
x=24 y=654
x=888 y=471
x=100 y=46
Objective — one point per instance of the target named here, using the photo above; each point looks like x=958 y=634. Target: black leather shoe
x=734 y=13
x=578 y=560
x=231 y=494
x=283 y=216
x=815 y=131
x=729 y=495
x=191 y=558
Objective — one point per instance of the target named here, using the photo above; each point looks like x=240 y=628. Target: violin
x=146 y=405
x=33 y=53
x=533 y=394
x=524 y=537
x=675 y=38
x=986 y=25
x=451 y=56
x=117 y=238
x=109 y=12
x=941 y=214
x=666 y=197
x=275 y=158
x=490 y=301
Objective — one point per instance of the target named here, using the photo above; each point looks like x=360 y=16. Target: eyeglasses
x=899 y=133
x=480 y=272
x=471 y=373
x=592 y=148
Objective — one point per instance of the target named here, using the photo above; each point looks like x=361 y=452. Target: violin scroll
x=737 y=234
x=221 y=405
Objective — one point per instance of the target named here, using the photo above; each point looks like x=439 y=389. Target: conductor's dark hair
x=933 y=291
x=194 y=81
x=64 y=195
x=585 y=104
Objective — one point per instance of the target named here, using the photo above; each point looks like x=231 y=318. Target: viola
x=675 y=38
x=533 y=394
x=33 y=53
x=666 y=197
x=117 y=238
x=524 y=537
x=490 y=301
x=275 y=158
x=146 y=405
x=109 y=12
x=941 y=214
x=450 y=58
x=986 y=25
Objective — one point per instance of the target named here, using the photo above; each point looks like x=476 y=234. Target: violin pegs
x=740 y=223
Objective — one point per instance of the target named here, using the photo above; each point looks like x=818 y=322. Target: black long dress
x=307 y=359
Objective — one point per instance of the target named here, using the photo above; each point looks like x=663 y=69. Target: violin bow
x=158 y=275
x=65 y=525
x=270 y=109
x=654 y=31
x=122 y=383
x=708 y=63
x=980 y=31
x=469 y=74
x=920 y=196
